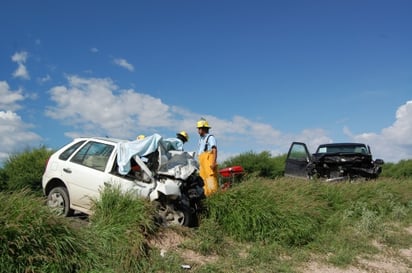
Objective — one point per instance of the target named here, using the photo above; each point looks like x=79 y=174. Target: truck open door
x=297 y=159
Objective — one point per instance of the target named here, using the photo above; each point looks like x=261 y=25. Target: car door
x=297 y=159
x=128 y=184
x=85 y=173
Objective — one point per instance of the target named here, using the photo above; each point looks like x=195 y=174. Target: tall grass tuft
x=293 y=212
x=269 y=211
x=32 y=239
x=121 y=223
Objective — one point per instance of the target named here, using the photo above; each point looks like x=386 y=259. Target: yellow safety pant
x=209 y=175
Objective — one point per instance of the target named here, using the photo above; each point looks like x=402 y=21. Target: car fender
x=167 y=187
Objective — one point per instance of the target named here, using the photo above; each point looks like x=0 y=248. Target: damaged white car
x=151 y=167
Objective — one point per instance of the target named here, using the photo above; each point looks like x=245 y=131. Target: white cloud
x=19 y=57
x=123 y=63
x=21 y=71
x=96 y=106
x=15 y=135
x=313 y=138
x=44 y=79
x=9 y=98
x=401 y=131
x=394 y=142
x=94 y=50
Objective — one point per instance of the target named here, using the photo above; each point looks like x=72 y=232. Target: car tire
x=169 y=214
x=58 y=200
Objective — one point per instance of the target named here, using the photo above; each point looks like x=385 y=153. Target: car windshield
x=175 y=160
x=353 y=148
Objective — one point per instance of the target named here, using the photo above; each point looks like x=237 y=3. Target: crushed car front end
x=333 y=162
x=341 y=166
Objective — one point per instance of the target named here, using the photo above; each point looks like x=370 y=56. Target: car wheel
x=58 y=200
x=171 y=215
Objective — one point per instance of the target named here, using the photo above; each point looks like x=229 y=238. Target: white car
x=80 y=170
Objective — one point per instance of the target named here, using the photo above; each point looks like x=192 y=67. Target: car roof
x=109 y=139
x=342 y=144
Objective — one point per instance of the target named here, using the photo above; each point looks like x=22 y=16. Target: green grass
x=34 y=240
x=264 y=223
x=120 y=225
x=262 y=210
x=259 y=225
x=301 y=219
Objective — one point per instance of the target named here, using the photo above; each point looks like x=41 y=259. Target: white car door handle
x=67 y=170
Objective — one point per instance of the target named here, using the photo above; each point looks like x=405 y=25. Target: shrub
x=3 y=180
x=25 y=169
x=261 y=165
x=402 y=169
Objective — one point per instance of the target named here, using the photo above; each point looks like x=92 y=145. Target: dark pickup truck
x=333 y=162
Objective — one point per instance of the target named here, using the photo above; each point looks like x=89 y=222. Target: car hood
x=341 y=158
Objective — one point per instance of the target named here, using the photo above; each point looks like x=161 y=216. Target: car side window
x=69 y=151
x=298 y=152
x=94 y=155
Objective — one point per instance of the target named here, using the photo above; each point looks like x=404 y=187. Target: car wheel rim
x=56 y=203
x=170 y=216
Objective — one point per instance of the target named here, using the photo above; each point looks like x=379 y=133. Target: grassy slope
x=278 y=225
x=257 y=226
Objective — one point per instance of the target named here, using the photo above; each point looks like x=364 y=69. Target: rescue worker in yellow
x=183 y=136
x=207 y=155
x=176 y=143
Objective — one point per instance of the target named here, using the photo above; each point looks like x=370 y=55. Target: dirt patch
x=378 y=264
x=389 y=261
x=169 y=240
x=381 y=264
x=321 y=268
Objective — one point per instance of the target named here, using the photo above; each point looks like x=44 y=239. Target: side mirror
x=379 y=161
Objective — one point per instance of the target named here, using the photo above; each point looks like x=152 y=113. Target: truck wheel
x=58 y=200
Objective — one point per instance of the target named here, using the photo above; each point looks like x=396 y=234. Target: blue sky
x=263 y=73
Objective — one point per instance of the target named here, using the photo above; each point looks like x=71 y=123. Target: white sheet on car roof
x=127 y=150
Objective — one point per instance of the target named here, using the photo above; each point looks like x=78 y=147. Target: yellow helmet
x=140 y=137
x=202 y=123
x=183 y=135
